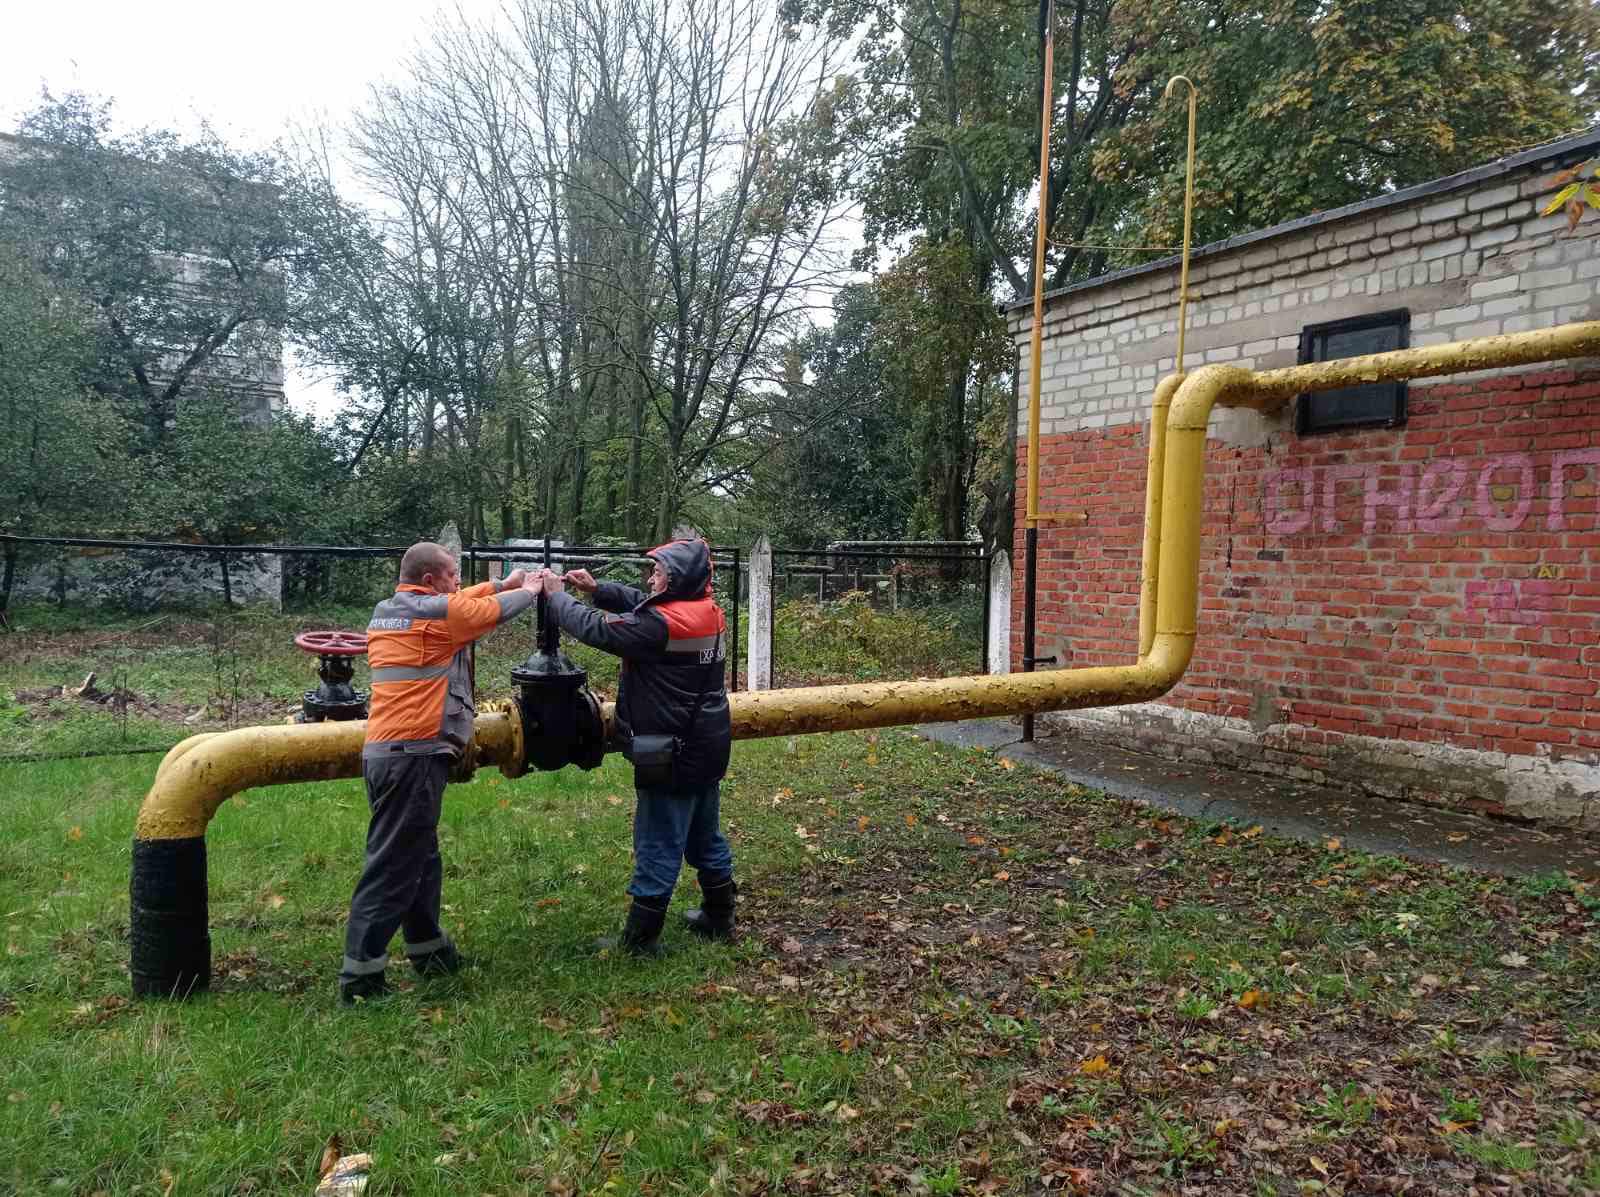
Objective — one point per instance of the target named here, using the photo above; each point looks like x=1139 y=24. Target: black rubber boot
x=713 y=919
x=442 y=963
x=363 y=989
x=641 y=934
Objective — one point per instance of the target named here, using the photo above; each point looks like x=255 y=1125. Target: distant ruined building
x=248 y=366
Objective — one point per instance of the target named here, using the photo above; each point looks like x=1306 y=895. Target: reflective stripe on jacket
x=421 y=674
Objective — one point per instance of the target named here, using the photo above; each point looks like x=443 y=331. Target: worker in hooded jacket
x=420 y=723
x=672 y=714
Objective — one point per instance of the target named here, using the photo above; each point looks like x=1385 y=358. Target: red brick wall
x=1427 y=583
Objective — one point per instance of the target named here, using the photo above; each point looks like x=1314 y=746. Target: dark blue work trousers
x=674 y=825
x=399 y=888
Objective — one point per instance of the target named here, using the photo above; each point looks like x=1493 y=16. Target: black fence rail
x=880 y=608
x=113 y=647
x=128 y=646
x=628 y=565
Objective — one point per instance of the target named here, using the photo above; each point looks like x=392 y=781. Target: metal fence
x=862 y=609
x=118 y=647
x=121 y=647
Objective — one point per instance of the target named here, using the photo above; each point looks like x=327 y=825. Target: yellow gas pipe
x=168 y=927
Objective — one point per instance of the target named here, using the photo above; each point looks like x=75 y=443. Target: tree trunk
x=10 y=575
x=635 y=480
x=580 y=479
x=527 y=485
x=507 y=513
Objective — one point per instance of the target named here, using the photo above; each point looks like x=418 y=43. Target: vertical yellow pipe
x=1149 y=583
x=1038 y=263
x=1150 y=568
x=1188 y=214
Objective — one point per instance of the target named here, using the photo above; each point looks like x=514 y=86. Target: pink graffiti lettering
x=1399 y=499
x=1280 y=518
x=1434 y=498
x=1431 y=511
x=1331 y=477
x=1492 y=519
x=1506 y=600
x=1558 y=465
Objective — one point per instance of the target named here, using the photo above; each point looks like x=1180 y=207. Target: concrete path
x=1287 y=808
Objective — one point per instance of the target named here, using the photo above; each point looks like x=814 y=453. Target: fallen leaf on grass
x=1007 y=763
x=774 y=1113
x=1514 y=960
x=74 y=833
x=1333 y=845
x=330 y=1155
x=1251 y=998
x=790 y=946
x=1094 y=1067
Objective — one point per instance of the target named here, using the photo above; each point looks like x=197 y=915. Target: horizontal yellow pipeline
x=202 y=772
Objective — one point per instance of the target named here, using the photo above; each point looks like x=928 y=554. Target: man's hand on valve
x=553 y=582
x=582 y=579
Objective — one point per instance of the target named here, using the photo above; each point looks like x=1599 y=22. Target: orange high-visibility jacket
x=421 y=675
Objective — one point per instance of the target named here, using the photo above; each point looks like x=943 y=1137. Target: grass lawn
x=956 y=976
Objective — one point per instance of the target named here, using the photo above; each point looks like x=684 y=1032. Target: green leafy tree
x=181 y=249
x=945 y=358
x=62 y=449
x=1308 y=105
x=840 y=465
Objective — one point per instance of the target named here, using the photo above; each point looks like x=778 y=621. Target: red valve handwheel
x=332 y=644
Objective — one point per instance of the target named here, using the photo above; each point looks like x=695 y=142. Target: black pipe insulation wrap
x=168 y=918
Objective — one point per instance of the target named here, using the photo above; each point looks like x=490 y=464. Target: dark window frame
x=1313 y=336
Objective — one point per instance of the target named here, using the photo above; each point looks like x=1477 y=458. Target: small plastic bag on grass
x=347 y=1178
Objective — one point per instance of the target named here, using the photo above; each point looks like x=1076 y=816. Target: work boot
x=363 y=989
x=641 y=933
x=713 y=918
x=441 y=963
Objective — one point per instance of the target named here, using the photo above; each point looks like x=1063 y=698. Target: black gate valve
x=561 y=723
x=335 y=698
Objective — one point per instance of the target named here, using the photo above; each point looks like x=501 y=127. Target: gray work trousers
x=400 y=883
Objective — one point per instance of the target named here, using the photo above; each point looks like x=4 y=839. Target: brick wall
x=1414 y=611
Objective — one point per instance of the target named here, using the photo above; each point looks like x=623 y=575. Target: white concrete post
x=1000 y=613
x=758 y=649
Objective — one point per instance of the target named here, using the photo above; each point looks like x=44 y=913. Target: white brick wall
x=1474 y=261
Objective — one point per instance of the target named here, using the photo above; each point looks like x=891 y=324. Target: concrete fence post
x=759 y=646
x=1000 y=613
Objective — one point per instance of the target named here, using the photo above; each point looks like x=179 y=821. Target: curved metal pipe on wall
x=168 y=925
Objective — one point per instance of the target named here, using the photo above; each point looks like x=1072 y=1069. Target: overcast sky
x=247 y=70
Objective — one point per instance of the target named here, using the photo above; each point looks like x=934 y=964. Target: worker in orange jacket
x=421 y=722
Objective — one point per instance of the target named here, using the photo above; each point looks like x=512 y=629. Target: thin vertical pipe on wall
x=733 y=656
x=1030 y=577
